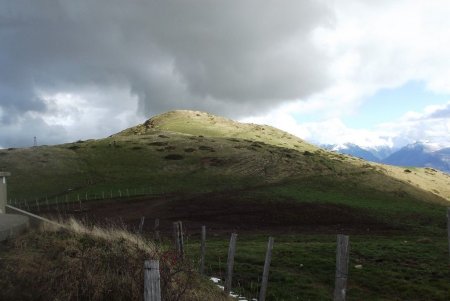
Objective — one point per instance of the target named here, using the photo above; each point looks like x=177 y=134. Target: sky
x=373 y=73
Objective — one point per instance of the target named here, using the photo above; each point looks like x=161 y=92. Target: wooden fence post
x=342 y=259
x=141 y=224
x=230 y=264
x=152 y=288
x=175 y=236
x=265 y=277
x=203 y=251
x=37 y=204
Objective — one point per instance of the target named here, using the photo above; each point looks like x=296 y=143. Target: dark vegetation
x=206 y=148
x=174 y=157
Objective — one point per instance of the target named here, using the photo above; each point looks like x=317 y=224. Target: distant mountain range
x=418 y=154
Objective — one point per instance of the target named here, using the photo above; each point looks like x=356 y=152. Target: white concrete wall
x=3 y=194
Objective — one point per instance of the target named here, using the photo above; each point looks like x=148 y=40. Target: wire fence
x=74 y=202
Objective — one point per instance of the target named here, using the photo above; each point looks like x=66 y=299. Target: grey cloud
x=22 y=132
x=228 y=57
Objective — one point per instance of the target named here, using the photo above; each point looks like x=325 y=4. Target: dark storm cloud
x=229 y=57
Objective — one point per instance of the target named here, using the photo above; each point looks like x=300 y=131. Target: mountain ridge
x=417 y=154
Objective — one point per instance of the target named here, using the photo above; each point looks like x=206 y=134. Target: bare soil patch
x=230 y=212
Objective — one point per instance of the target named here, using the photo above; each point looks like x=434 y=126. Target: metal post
x=156 y=229
x=180 y=239
x=265 y=277
x=203 y=251
x=230 y=264
x=141 y=224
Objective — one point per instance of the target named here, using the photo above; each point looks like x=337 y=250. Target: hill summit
x=187 y=151
x=208 y=125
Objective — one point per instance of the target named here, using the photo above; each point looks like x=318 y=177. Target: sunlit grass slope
x=190 y=151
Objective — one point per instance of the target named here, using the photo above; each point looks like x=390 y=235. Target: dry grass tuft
x=78 y=262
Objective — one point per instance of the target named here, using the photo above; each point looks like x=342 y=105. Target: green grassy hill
x=187 y=151
x=257 y=180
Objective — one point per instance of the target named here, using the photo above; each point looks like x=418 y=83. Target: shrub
x=206 y=148
x=158 y=143
x=233 y=139
x=174 y=157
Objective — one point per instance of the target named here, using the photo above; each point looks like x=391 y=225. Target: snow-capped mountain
x=421 y=154
x=374 y=154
